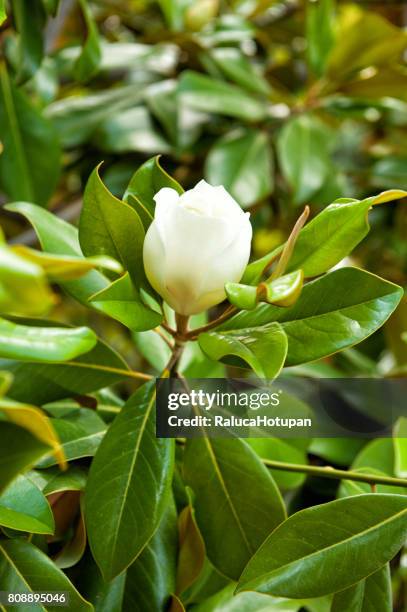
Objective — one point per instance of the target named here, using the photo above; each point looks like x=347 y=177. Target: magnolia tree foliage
x=298 y=110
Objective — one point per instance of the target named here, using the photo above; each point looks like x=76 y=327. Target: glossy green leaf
x=328 y=238
x=226 y=601
x=303 y=149
x=242 y=162
x=24 y=508
x=44 y=344
x=109 y=226
x=150 y=580
x=203 y=93
x=23 y=286
x=320 y=33
x=128 y=485
x=121 y=301
x=20 y=450
x=144 y=185
x=334 y=312
x=238 y=68
x=237 y=503
x=31 y=149
x=39 y=383
x=88 y=61
x=24 y=568
x=341 y=542
x=373 y=593
x=264 y=350
x=30 y=21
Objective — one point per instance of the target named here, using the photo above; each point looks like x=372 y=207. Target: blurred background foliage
x=286 y=103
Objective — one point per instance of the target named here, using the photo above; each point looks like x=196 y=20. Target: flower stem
x=329 y=472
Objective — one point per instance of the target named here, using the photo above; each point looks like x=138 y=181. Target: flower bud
x=197 y=242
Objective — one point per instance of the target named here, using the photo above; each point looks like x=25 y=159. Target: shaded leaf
x=23 y=507
x=373 y=593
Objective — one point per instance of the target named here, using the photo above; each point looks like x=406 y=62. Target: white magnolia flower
x=197 y=242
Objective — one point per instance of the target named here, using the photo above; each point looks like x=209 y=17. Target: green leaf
x=208 y=95
x=108 y=226
x=23 y=507
x=287 y=451
x=144 y=185
x=25 y=568
x=87 y=63
x=3 y=13
x=44 y=344
x=39 y=383
x=328 y=238
x=303 y=150
x=23 y=286
x=263 y=349
x=36 y=422
x=365 y=530
x=150 y=580
x=173 y=11
x=30 y=22
x=74 y=479
x=237 y=503
x=400 y=447
x=226 y=601
x=367 y=39
x=128 y=485
x=373 y=593
x=79 y=438
x=242 y=162
x=130 y=130
x=19 y=451
x=320 y=33
x=31 y=149
x=334 y=312
x=238 y=68
x=122 y=302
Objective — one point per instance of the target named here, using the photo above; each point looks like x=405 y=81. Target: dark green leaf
x=24 y=568
x=109 y=226
x=30 y=21
x=23 y=507
x=144 y=185
x=366 y=531
x=128 y=485
x=241 y=161
x=303 y=149
x=44 y=344
x=373 y=593
x=334 y=312
x=19 y=451
x=150 y=579
x=203 y=93
x=31 y=149
x=89 y=59
x=237 y=503
x=263 y=349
